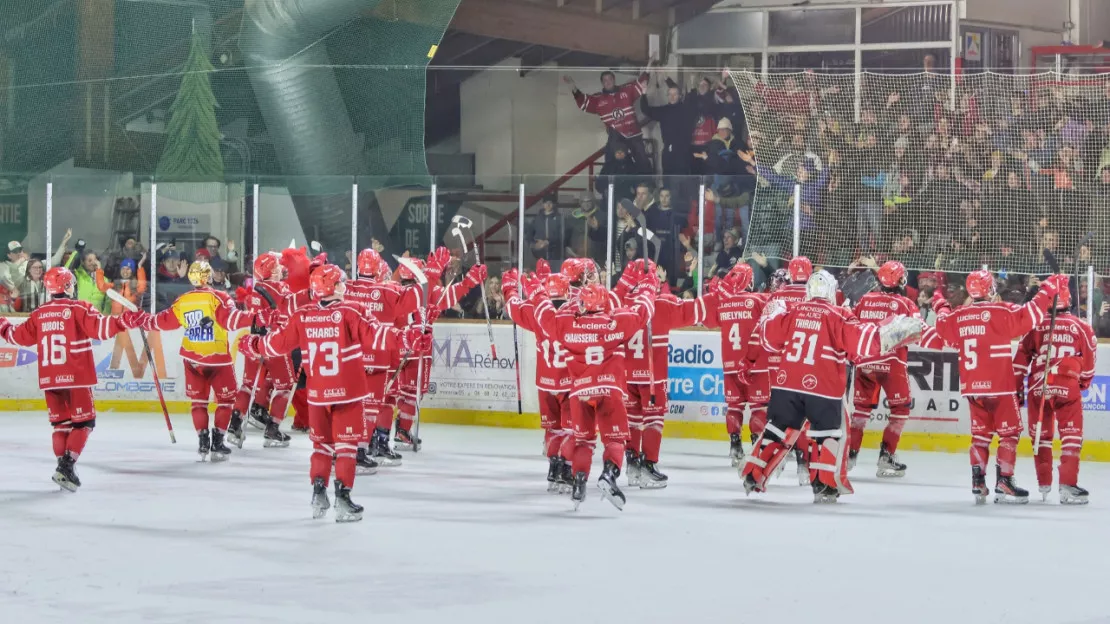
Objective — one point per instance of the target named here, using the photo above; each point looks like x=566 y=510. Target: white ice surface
x=465 y=532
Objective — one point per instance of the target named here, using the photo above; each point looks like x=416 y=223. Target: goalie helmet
x=327 y=281
x=800 y=268
x=892 y=274
x=200 y=273
x=739 y=278
x=59 y=281
x=369 y=264
x=593 y=298
x=779 y=279
x=821 y=285
x=980 y=285
x=268 y=266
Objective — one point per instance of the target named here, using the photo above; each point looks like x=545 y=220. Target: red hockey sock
x=300 y=408
x=566 y=446
x=320 y=465
x=345 y=465
x=758 y=421
x=200 y=416
x=552 y=440
x=279 y=404
x=614 y=452
x=1070 y=446
x=223 y=416
x=75 y=443
x=1007 y=454
x=892 y=435
x=855 y=431
x=734 y=419
x=635 y=440
x=242 y=398
x=384 y=419
x=58 y=439
x=980 y=452
x=583 y=456
x=652 y=438
x=406 y=407
x=1043 y=463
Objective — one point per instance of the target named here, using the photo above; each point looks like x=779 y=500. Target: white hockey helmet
x=821 y=285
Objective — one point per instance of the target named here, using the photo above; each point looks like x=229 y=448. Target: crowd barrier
x=470 y=387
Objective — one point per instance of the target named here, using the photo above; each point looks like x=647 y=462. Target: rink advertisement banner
x=465 y=375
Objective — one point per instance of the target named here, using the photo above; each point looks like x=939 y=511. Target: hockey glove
x=510 y=283
x=940 y=304
x=132 y=320
x=249 y=346
x=475 y=276
x=543 y=269
x=438 y=259
x=415 y=340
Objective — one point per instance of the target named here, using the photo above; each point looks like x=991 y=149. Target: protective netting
x=1014 y=175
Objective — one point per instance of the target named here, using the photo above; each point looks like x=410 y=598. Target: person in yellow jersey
x=207 y=315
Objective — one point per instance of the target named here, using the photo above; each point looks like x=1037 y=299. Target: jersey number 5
x=330 y=352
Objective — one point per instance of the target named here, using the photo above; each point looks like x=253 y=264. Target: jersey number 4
x=329 y=351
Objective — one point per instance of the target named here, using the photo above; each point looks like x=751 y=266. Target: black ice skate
x=204 y=444
x=823 y=494
x=403 y=440
x=235 y=429
x=632 y=463
x=1006 y=491
x=607 y=483
x=1069 y=495
x=735 y=449
x=65 y=475
x=853 y=456
x=650 y=477
x=273 y=437
x=258 y=416
x=364 y=464
x=979 y=485
x=379 y=449
x=566 y=479
x=578 y=490
x=889 y=466
x=220 y=452
x=750 y=485
x=554 y=473
x=345 y=509
x=320 y=502
x=803 y=466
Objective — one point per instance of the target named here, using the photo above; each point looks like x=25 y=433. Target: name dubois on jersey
x=54 y=326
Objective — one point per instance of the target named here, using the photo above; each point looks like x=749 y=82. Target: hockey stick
x=462 y=223
x=646 y=234
x=405 y=360
x=516 y=344
x=114 y=295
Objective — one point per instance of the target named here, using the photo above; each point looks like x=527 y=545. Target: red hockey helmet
x=268 y=266
x=59 y=281
x=369 y=263
x=404 y=274
x=980 y=285
x=800 y=268
x=326 y=280
x=593 y=298
x=739 y=278
x=892 y=274
x=557 y=286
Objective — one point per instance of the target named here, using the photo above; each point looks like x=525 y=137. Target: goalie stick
x=461 y=223
x=114 y=295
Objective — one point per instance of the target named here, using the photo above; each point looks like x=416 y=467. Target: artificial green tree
x=192 y=135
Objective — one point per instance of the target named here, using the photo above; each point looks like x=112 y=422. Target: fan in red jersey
x=594 y=335
x=276 y=374
x=981 y=331
x=386 y=301
x=646 y=371
x=334 y=335
x=62 y=330
x=552 y=374
x=1058 y=399
x=816 y=338
x=886 y=373
x=736 y=311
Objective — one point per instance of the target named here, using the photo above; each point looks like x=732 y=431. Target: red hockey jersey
x=875 y=307
x=816 y=339
x=595 y=342
x=1072 y=338
x=332 y=337
x=552 y=374
x=63 y=330
x=982 y=332
x=618 y=109
x=385 y=302
x=737 y=316
x=670 y=313
x=278 y=291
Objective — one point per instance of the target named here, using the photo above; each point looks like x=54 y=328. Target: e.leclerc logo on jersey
x=697 y=354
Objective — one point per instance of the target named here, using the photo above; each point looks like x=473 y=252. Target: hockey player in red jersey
x=275 y=374
x=886 y=373
x=817 y=339
x=595 y=335
x=981 y=331
x=62 y=330
x=386 y=301
x=206 y=315
x=334 y=335
x=1057 y=400
x=646 y=391
x=735 y=311
x=552 y=375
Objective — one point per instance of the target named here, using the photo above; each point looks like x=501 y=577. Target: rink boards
x=469 y=386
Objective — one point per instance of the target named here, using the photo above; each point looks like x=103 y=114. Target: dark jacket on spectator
x=624 y=174
x=551 y=228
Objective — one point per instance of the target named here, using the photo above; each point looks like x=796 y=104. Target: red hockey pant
x=406 y=402
x=376 y=411
x=203 y=381
x=335 y=431
x=991 y=415
x=73 y=416
x=591 y=414
x=869 y=382
x=754 y=395
x=645 y=419
x=557 y=424
x=276 y=373
x=1067 y=414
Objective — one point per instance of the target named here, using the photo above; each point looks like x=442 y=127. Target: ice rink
x=465 y=532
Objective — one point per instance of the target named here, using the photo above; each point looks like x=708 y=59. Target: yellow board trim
x=1093 y=450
